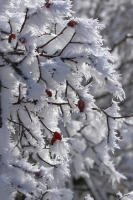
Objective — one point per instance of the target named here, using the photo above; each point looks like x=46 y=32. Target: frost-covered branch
x=48 y=61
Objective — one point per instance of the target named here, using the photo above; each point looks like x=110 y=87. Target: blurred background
x=117 y=16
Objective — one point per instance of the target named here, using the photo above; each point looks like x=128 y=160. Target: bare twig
x=121 y=41
x=52 y=39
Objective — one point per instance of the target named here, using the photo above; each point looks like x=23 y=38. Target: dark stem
x=52 y=38
x=45 y=161
x=10 y=26
x=22 y=26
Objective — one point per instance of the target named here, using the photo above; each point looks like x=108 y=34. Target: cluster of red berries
x=56 y=136
x=13 y=36
x=81 y=105
x=72 y=23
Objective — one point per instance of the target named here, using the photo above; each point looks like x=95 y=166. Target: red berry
x=53 y=141
x=49 y=93
x=37 y=174
x=47 y=5
x=22 y=40
x=81 y=105
x=13 y=36
x=57 y=136
x=72 y=23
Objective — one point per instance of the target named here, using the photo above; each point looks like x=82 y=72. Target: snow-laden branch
x=46 y=75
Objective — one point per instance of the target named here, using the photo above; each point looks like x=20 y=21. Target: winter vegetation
x=53 y=132
x=118 y=35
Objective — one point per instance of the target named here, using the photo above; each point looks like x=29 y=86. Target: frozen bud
x=49 y=93
x=81 y=105
x=57 y=135
x=72 y=23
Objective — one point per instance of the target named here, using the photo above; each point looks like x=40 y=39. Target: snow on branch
x=47 y=59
